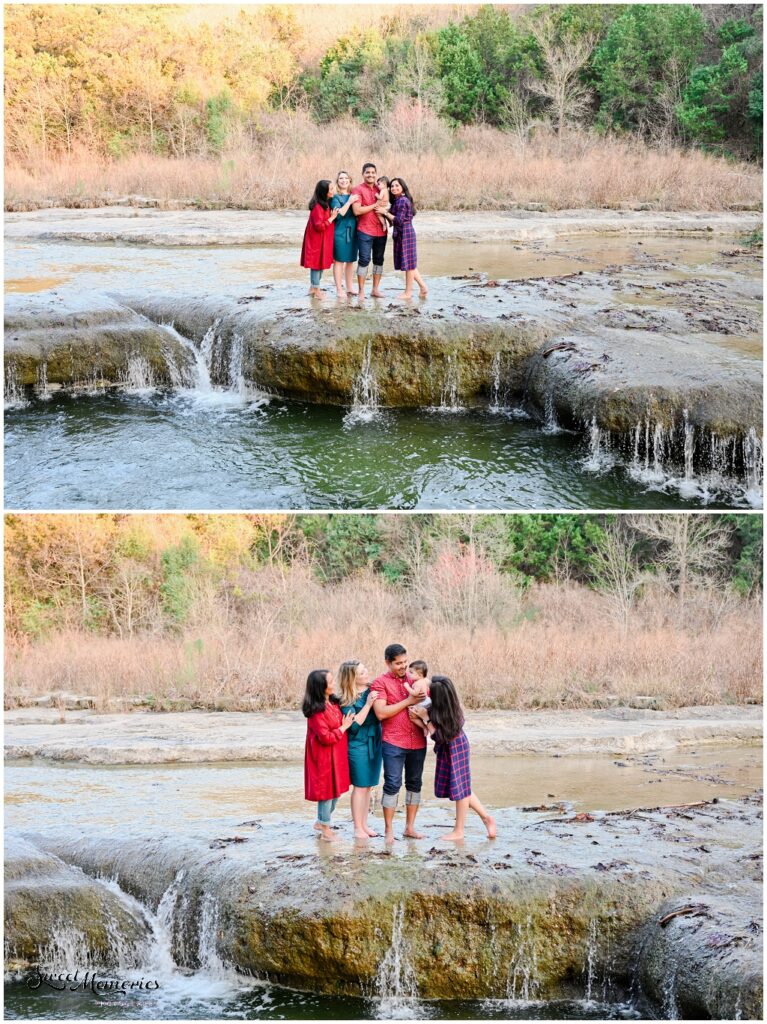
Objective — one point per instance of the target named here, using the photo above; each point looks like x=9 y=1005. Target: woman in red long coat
x=326 y=755
x=319 y=235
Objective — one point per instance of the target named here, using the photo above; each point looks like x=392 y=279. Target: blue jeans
x=395 y=759
x=315 y=276
x=325 y=807
x=375 y=244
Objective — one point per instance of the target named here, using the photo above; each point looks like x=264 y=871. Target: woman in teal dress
x=365 y=749
x=345 y=240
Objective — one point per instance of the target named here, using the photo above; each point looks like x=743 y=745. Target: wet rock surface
x=618 y=346
x=254 y=227
x=48 y=901
x=558 y=903
x=198 y=736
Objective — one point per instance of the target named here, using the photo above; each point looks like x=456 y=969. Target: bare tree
x=564 y=58
x=617 y=570
x=690 y=548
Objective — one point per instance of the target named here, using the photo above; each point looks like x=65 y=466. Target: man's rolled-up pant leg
x=414 y=762
x=364 y=251
x=379 y=248
x=393 y=766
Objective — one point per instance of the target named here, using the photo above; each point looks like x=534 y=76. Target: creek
x=592 y=372
x=159 y=844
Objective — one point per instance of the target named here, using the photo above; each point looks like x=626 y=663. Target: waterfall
x=753 y=462
x=165 y=956
x=551 y=426
x=202 y=382
x=138 y=374
x=591 y=958
x=449 y=400
x=496 y=402
x=365 y=391
x=595 y=460
x=236 y=377
x=522 y=982
x=396 y=985
x=15 y=397
x=680 y=456
x=207 y=950
x=689 y=446
x=41 y=390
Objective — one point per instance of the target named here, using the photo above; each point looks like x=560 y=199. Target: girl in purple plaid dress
x=405 y=255
x=443 y=721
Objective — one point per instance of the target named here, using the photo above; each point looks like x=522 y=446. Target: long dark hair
x=406 y=194
x=445 y=712
x=314 y=698
x=320 y=195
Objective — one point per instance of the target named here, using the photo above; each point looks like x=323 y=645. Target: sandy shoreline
x=196 y=737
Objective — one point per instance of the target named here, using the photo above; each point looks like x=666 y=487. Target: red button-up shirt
x=368 y=223
x=398 y=730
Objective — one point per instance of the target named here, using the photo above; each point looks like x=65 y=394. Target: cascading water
x=396 y=984
x=550 y=426
x=365 y=392
x=15 y=397
x=449 y=400
x=598 y=457
x=682 y=457
x=212 y=361
x=522 y=982
x=496 y=396
x=138 y=374
x=236 y=376
x=42 y=390
x=753 y=463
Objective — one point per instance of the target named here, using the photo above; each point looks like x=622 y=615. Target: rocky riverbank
x=667 y=899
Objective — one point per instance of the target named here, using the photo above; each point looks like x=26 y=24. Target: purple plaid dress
x=405 y=257
x=452 y=777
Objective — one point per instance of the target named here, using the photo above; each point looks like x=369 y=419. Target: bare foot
x=412 y=834
x=404 y=295
x=377 y=295
x=453 y=837
x=340 y=293
x=351 y=291
x=490 y=826
x=317 y=826
x=371 y=833
x=328 y=835
x=389 y=836
x=423 y=292
x=361 y=835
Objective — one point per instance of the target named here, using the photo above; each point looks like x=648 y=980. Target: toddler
x=383 y=194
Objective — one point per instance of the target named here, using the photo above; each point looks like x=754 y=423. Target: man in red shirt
x=404 y=744
x=371 y=237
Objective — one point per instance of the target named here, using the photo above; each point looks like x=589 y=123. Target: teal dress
x=345 y=238
x=365 y=750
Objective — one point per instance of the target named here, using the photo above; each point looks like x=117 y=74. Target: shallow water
x=81 y=267
x=43 y=794
x=262 y=1001
x=176 y=450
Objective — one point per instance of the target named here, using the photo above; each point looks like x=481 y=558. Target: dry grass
x=554 y=647
x=474 y=168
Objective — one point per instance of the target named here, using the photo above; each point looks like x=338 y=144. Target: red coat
x=317 y=250
x=326 y=756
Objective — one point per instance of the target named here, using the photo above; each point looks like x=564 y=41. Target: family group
x=353 y=733
x=348 y=226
